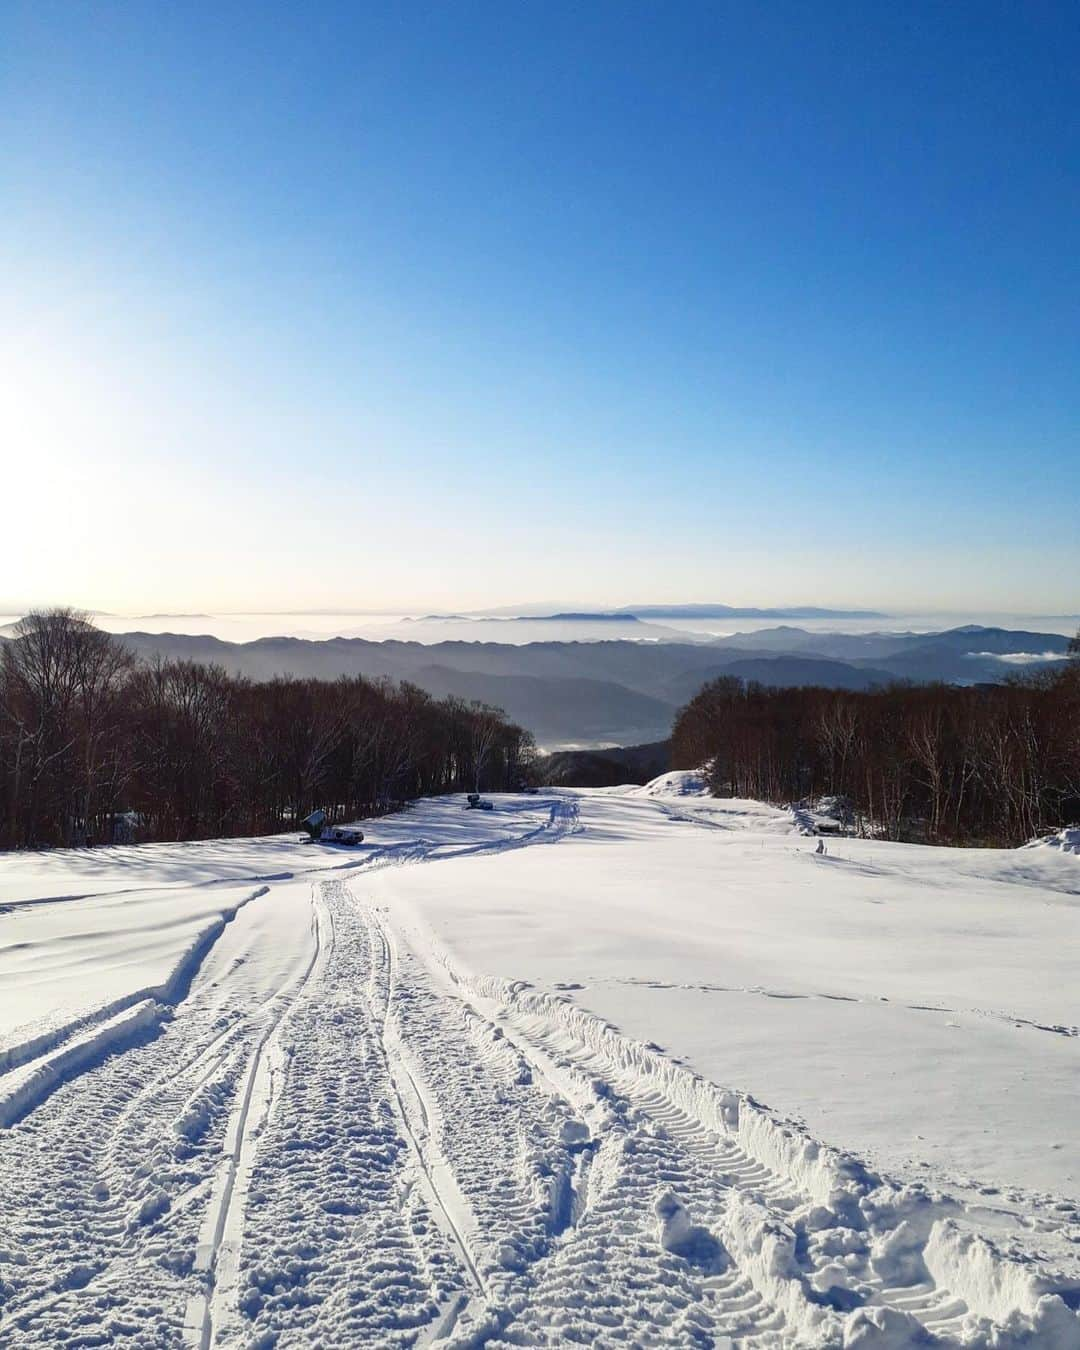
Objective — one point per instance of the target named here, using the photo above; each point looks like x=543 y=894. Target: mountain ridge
x=619 y=691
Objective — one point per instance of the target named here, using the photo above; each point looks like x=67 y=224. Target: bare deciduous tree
x=993 y=764
x=89 y=739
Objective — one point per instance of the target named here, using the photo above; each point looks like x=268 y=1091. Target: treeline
x=96 y=748
x=993 y=764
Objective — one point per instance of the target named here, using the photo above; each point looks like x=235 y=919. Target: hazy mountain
x=781 y=671
x=706 y=611
x=969 y=640
x=558 y=710
x=605 y=768
x=834 y=646
x=619 y=691
x=564 y=626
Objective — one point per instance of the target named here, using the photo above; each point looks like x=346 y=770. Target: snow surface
x=495 y=1078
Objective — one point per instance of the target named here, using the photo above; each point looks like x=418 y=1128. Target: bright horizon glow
x=400 y=308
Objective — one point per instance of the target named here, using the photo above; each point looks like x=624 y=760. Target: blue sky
x=457 y=304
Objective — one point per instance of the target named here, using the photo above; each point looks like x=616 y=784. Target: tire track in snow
x=615 y=1221
x=414 y=1111
x=193 y=1094
x=145 y=1128
x=608 y=1217
x=341 y=1242
x=818 y=1249
x=922 y=1307
x=504 y=1152
x=218 y=1252
x=754 y=1211
x=107 y=1179
x=31 y=1069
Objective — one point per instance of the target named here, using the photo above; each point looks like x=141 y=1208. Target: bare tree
x=995 y=764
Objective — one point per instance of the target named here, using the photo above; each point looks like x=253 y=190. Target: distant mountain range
x=710 y=610
x=731 y=612
x=660 y=612
x=563 y=626
x=623 y=692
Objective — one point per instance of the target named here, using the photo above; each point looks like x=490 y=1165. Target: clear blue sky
x=456 y=304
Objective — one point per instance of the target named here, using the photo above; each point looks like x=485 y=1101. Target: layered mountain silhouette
x=622 y=692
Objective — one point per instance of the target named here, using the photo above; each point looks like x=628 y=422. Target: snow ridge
x=32 y=1066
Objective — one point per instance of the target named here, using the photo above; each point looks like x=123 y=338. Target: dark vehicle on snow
x=318 y=832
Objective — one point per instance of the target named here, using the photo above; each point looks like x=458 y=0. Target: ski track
x=218 y=1251
x=383 y=1150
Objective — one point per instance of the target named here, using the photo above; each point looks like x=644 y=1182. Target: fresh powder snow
x=617 y=1067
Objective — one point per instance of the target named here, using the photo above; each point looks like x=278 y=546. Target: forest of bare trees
x=992 y=764
x=95 y=747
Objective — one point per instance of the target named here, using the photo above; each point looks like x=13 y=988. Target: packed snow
x=497 y=1078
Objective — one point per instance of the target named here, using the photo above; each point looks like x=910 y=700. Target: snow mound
x=677 y=783
x=1011 y=1305
x=1068 y=840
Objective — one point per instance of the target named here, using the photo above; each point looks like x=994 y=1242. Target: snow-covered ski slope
x=496 y=1079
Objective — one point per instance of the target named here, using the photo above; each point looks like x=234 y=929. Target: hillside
x=604 y=768
x=558 y=710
